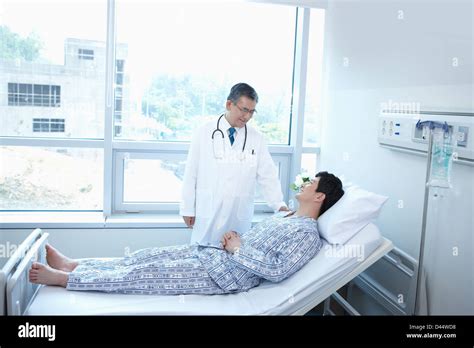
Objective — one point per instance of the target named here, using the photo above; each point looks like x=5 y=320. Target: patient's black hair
x=331 y=186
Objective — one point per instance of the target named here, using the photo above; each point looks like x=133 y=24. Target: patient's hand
x=227 y=236
x=231 y=241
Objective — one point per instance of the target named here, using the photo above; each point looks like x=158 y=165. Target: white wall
x=399 y=51
x=83 y=243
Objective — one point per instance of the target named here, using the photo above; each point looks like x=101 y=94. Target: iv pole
x=431 y=125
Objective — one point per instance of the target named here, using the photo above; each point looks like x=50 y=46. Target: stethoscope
x=221 y=154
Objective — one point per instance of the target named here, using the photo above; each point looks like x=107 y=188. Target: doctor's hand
x=283 y=208
x=189 y=221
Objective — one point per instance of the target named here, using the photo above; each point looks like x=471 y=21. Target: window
x=119 y=76
x=21 y=94
x=41 y=125
x=119 y=65
x=45 y=165
x=38 y=178
x=149 y=181
x=25 y=94
x=118 y=92
x=118 y=104
x=157 y=94
x=13 y=94
x=86 y=54
x=157 y=180
x=48 y=125
x=183 y=77
x=46 y=70
x=117 y=130
x=57 y=125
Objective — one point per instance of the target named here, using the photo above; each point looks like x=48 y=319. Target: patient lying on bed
x=273 y=250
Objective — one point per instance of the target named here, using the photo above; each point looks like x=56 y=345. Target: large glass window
x=52 y=66
x=183 y=59
x=172 y=72
x=34 y=178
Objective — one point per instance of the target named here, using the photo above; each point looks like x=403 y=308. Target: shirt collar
x=225 y=125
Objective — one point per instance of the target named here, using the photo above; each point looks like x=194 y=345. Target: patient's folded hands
x=231 y=241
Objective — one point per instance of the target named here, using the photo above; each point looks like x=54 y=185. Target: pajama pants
x=156 y=271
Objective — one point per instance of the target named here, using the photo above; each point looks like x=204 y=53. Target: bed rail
x=19 y=291
x=12 y=264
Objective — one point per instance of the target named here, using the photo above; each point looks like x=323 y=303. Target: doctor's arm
x=267 y=178
x=187 y=208
x=278 y=265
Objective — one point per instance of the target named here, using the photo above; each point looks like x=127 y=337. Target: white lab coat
x=220 y=192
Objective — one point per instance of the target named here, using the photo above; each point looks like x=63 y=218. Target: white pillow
x=350 y=214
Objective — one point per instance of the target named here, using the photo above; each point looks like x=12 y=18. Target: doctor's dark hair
x=331 y=186
x=242 y=90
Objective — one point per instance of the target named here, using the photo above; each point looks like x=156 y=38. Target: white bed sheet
x=268 y=298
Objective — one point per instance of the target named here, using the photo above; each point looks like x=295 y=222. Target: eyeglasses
x=307 y=183
x=245 y=110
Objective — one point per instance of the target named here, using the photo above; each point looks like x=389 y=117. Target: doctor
x=226 y=160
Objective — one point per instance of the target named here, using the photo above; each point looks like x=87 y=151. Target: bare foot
x=43 y=274
x=59 y=261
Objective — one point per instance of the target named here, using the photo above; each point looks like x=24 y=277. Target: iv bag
x=441 y=158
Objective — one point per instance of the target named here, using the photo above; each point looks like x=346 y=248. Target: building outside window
x=86 y=54
x=22 y=94
x=48 y=125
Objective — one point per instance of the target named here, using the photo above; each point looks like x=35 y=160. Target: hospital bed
x=328 y=271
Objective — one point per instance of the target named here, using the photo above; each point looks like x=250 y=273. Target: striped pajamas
x=272 y=250
x=161 y=271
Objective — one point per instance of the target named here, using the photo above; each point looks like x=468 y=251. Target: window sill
x=31 y=220
x=51 y=220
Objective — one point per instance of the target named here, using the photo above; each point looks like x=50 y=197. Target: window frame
x=287 y=157
x=280 y=155
x=120 y=206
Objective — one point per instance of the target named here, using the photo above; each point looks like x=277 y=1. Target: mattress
x=331 y=265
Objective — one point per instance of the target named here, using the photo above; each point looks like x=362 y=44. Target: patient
x=273 y=250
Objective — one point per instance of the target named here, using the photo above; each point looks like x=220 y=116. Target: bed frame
x=16 y=292
x=20 y=293
x=331 y=289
